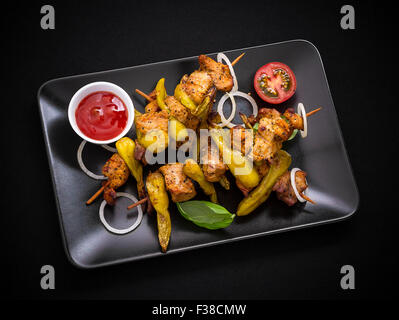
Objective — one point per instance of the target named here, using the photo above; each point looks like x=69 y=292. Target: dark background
x=95 y=36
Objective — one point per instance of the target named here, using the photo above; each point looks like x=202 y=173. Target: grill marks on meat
x=219 y=72
x=117 y=172
x=197 y=85
x=180 y=186
x=284 y=190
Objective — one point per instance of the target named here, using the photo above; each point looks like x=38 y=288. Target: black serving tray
x=322 y=154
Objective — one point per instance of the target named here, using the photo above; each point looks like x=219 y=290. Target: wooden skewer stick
x=146 y=96
x=137 y=203
x=307 y=198
x=237 y=59
x=313 y=112
x=95 y=196
x=244 y=119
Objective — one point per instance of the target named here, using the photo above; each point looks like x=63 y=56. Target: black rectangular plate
x=322 y=154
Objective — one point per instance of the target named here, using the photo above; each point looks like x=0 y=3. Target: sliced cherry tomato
x=275 y=82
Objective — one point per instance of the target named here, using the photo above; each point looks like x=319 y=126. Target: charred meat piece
x=219 y=73
x=153 y=94
x=294 y=119
x=192 y=122
x=139 y=152
x=117 y=172
x=242 y=139
x=272 y=131
x=149 y=121
x=272 y=122
x=213 y=166
x=197 y=85
x=214 y=118
x=284 y=190
x=109 y=195
x=180 y=186
x=265 y=147
x=152 y=107
x=176 y=109
x=181 y=113
x=262 y=167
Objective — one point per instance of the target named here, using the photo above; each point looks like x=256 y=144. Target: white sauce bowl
x=95 y=87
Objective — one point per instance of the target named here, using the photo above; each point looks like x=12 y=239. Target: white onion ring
x=293 y=184
x=121 y=231
x=111 y=149
x=83 y=167
x=220 y=57
x=227 y=122
x=302 y=112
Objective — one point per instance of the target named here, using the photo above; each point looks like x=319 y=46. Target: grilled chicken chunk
x=284 y=189
x=213 y=166
x=265 y=147
x=181 y=113
x=117 y=172
x=152 y=107
x=176 y=109
x=154 y=120
x=272 y=122
x=295 y=120
x=180 y=186
x=219 y=72
x=272 y=131
x=139 y=152
x=242 y=139
x=197 y=85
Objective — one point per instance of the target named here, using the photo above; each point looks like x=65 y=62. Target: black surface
x=322 y=155
x=301 y=264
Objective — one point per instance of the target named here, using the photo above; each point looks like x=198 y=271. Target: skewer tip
x=307 y=198
x=237 y=59
x=137 y=203
x=313 y=112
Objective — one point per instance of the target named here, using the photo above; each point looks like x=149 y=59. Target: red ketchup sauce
x=101 y=115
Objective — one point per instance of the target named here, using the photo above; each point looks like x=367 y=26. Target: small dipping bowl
x=96 y=87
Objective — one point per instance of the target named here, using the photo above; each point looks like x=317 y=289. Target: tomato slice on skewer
x=275 y=82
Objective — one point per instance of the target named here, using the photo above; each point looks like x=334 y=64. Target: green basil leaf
x=206 y=214
x=293 y=134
